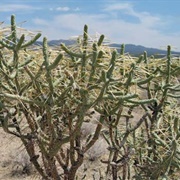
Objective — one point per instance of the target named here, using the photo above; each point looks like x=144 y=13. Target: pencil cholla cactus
x=45 y=98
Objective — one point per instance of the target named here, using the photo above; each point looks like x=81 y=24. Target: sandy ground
x=14 y=162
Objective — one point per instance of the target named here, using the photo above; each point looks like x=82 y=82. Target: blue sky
x=152 y=23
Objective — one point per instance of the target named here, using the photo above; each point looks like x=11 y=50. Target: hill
x=132 y=49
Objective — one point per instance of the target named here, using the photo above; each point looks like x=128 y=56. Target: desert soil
x=15 y=165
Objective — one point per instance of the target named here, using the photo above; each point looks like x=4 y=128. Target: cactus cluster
x=45 y=96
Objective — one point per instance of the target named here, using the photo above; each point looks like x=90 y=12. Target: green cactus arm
x=84 y=53
x=112 y=64
x=104 y=76
x=13 y=36
x=56 y=62
x=115 y=93
x=144 y=101
x=140 y=59
x=13 y=30
x=22 y=98
x=144 y=81
x=145 y=57
x=24 y=64
x=173 y=95
x=100 y=54
x=95 y=54
x=85 y=36
x=172 y=88
x=48 y=72
x=121 y=98
x=168 y=75
x=20 y=42
x=94 y=62
x=148 y=79
x=63 y=47
x=31 y=75
x=122 y=49
x=101 y=39
x=168 y=64
x=130 y=76
x=4 y=44
x=33 y=40
x=176 y=124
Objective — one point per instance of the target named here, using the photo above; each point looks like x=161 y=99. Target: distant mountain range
x=134 y=50
x=137 y=50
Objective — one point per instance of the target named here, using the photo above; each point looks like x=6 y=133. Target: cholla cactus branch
x=13 y=30
x=134 y=99
x=101 y=38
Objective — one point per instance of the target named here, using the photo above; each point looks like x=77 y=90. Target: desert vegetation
x=61 y=101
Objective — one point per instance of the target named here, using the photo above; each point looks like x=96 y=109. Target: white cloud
x=39 y=21
x=119 y=6
x=77 y=9
x=127 y=8
x=16 y=7
x=145 y=32
x=62 y=8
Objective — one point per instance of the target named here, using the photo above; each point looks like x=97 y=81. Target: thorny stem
x=54 y=104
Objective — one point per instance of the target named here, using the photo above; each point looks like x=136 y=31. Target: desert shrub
x=46 y=95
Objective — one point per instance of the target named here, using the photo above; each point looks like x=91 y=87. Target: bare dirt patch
x=14 y=162
x=15 y=165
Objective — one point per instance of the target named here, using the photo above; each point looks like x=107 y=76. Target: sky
x=151 y=23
